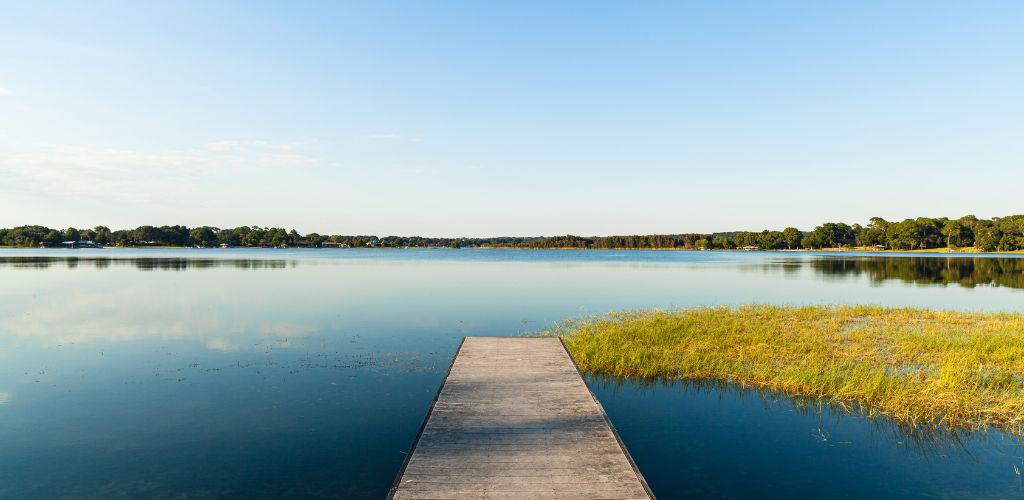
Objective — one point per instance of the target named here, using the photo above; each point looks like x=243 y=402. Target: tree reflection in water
x=143 y=263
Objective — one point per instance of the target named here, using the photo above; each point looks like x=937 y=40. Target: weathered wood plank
x=514 y=419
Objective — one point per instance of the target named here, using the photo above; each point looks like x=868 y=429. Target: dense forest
x=996 y=234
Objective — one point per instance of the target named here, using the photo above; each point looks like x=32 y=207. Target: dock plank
x=514 y=419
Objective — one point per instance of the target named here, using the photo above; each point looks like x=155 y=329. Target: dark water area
x=306 y=373
x=968 y=272
x=721 y=441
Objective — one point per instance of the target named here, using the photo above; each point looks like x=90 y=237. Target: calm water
x=306 y=373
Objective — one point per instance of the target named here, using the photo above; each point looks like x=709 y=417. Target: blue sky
x=520 y=118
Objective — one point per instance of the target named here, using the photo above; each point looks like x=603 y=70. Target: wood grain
x=514 y=419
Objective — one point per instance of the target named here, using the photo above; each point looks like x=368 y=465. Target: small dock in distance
x=514 y=419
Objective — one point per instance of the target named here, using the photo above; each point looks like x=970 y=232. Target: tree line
x=996 y=234
x=243 y=236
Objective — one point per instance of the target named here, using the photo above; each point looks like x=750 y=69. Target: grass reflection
x=929 y=441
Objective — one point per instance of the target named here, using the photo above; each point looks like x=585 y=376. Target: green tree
x=904 y=235
x=315 y=240
x=1009 y=243
x=874 y=233
x=930 y=232
x=967 y=224
x=771 y=240
x=203 y=236
x=744 y=239
x=721 y=241
x=146 y=235
x=120 y=237
x=987 y=236
x=277 y=236
x=830 y=235
x=952 y=230
x=52 y=237
x=102 y=234
x=792 y=236
x=230 y=237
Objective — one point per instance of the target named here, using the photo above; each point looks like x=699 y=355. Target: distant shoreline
x=972 y=251
x=924 y=234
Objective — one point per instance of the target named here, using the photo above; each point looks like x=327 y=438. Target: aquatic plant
x=958 y=370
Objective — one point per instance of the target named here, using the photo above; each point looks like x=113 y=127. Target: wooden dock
x=514 y=419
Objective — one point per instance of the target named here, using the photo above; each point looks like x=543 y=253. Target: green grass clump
x=958 y=370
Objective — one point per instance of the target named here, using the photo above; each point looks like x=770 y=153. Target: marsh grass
x=922 y=368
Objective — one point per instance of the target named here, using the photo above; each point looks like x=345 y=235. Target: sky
x=509 y=118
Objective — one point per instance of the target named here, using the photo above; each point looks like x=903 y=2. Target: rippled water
x=306 y=373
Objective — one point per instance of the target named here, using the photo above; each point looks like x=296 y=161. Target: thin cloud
x=423 y=170
x=138 y=176
x=236 y=145
x=222 y=145
x=4 y=91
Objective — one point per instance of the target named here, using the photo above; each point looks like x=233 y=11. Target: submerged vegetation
x=942 y=369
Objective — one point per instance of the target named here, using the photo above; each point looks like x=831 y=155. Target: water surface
x=306 y=373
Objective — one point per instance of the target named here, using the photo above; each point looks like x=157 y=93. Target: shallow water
x=306 y=373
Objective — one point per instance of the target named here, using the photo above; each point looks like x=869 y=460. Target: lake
x=306 y=373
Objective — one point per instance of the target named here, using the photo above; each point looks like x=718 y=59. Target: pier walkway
x=514 y=419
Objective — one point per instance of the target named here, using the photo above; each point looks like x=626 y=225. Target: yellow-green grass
x=956 y=370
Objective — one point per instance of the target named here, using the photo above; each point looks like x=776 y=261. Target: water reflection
x=142 y=263
x=716 y=440
x=927 y=441
x=965 y=272
x=123 y=314
x=924 y=270
x=313 y=380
